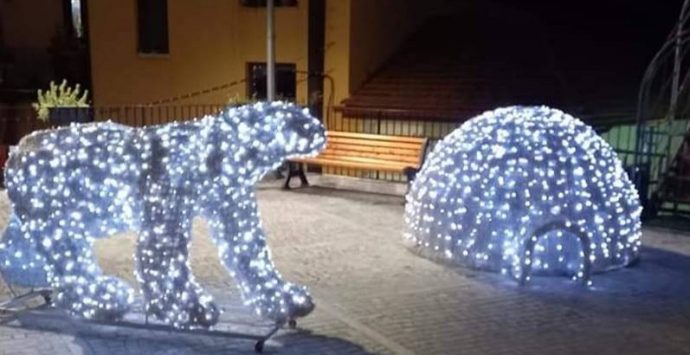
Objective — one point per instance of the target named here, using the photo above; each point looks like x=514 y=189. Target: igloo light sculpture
x=523 y=190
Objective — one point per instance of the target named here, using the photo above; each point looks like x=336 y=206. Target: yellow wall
x=362 y=34
x=30 y=23
x=210 y=43
x=212 y=40
x=377 y=28
x=337 y=50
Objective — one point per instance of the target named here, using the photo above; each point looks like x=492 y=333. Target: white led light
x=525 y=189
x=71 y=185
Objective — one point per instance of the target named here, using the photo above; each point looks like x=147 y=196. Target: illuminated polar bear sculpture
x=524 y=189
x=72 y=185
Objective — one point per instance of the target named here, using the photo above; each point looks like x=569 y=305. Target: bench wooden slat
x=368 y=160
x=376 y=137
x=373 y=149
x=412 y=160
x=363 y=142
x=355 y=165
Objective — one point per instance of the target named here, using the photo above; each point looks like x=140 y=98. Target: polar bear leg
x=77 y=279
x=20 y=262
x=164 y=273
x=242 y=248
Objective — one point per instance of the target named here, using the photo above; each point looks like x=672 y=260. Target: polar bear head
x=270 y=133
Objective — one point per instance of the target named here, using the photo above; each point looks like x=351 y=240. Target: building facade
x=40 y=41
x=139 y=56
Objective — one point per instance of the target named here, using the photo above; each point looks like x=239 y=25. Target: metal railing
x=139 y=116
x=18 y=121
x=621 y=136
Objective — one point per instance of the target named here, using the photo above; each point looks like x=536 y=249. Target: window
x=152 y=16
x=286 y=83
x=262 y=3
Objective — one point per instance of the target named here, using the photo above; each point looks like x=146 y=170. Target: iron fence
x=139 y=116
x=653 y=156
x=18 y=121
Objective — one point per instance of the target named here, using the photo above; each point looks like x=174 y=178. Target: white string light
x=524 y=189
x=70 y=186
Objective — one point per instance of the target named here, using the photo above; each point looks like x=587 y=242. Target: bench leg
x=286 y=185
x=302 y=175
x=295 y=169
x=410 y=174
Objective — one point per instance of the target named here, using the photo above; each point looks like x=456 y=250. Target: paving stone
x=375 y=297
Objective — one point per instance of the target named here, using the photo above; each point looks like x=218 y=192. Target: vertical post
x=315 y=57
x=271 y=62
x=677 y=63
x=270 y=52
x=675 y=84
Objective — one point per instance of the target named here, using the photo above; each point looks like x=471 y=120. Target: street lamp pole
x=270 y=50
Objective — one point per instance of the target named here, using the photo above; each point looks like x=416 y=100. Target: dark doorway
x=317 y=30
x=69 y=49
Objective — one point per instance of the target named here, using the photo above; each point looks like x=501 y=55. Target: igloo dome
x=523 y=190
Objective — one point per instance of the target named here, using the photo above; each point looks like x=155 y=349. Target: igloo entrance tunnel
x=523 y=190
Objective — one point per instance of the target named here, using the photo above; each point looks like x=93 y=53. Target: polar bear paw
x=103 y=299
x=288 y=303
x=191 y=308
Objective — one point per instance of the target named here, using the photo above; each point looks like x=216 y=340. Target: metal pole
x=675 y=86
x=676 y=63
x=271 y=63
x=270 y=51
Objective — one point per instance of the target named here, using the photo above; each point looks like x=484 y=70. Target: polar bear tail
x=20 y=263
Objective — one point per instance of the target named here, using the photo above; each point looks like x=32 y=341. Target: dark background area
x=645 y=22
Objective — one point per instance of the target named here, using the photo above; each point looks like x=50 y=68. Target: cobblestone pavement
x=373 y=296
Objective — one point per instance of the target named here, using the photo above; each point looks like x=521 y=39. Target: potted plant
x=61 y=105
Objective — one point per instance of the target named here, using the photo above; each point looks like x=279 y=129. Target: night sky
x=629 y=33
x=646 y=21
x=601 y=48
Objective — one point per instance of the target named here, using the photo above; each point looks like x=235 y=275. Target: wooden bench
x=362 y=151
